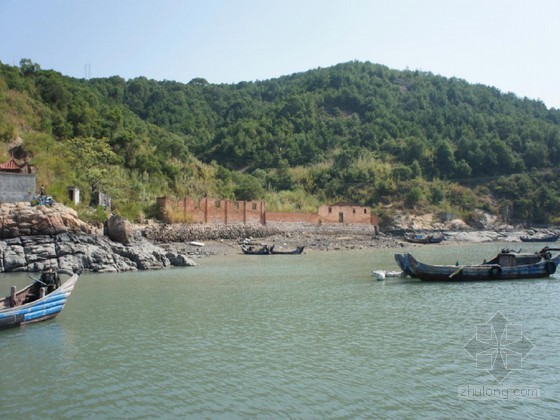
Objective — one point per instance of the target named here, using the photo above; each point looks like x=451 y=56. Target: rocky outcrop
x=81 y=253
x=23 y=219
x=35 y=237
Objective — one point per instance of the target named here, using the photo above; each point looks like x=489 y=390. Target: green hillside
x=354 y=132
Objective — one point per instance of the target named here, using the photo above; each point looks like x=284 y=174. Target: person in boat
x=50 y=279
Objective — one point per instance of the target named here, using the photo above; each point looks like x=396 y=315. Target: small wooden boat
x=41 y=300
x=269 y=250
x=548 y=238
x=417 y=238
x=507 y=265
x=296 y=251
x=253 y=250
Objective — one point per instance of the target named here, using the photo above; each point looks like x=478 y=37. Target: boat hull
x=552 y=238
x=296 y=251
x=427 y=272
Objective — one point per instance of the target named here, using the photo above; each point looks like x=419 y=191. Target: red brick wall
x=291 y=217
x=224 y=211
x=235 y=212
x=209 y=210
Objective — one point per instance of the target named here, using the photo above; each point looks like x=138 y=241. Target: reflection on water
x=276 y=336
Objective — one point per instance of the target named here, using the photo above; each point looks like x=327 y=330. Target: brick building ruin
x=206 y=210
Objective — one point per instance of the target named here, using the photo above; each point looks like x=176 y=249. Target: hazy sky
x=510 y=44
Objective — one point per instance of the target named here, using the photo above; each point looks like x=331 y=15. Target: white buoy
x=379 y=274
x=382 y=275
x=395 y=274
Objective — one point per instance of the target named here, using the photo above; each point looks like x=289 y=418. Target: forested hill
x=355 y=132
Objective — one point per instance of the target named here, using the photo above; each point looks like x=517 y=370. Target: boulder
x=458 y=224
x=181 y=260
x=120 y=230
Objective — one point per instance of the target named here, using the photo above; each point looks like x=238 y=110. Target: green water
x=309 y=336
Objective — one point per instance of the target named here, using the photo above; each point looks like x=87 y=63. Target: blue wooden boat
x=507 y=265
x=41 y=300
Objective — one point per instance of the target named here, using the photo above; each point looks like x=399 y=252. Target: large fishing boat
x=507 y=265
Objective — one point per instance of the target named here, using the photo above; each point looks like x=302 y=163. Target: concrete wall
x=17 y=187
x=74 y=194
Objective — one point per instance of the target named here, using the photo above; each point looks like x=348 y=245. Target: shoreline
x=335 y=241
x=37 y=237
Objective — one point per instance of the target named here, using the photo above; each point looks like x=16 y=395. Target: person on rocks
x=42 y=190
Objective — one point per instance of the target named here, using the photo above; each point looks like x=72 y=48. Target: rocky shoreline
x=33 y=238
x=326 y=239
x=82 y=252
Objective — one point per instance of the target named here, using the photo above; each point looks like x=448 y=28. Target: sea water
x=297 y=336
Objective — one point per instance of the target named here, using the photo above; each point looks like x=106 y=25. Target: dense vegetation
x=355 y=132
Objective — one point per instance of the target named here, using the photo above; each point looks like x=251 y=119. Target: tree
x=198 y=81
x=445 y=159
x=93 y=157
x=28 y=67
x=413 y=196
x=248 y=188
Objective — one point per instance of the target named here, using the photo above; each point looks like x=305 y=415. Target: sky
x=512 y=45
